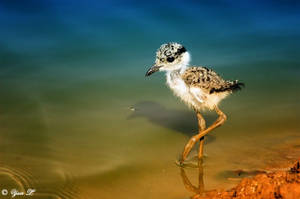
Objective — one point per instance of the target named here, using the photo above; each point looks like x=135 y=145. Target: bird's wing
x=207 y=80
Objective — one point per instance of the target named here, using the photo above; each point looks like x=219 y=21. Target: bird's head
x=169 y=57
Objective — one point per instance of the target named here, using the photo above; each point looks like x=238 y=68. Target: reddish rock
x=275 y=185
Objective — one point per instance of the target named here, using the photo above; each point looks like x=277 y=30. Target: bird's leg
x=221 y=119
x=201 y=127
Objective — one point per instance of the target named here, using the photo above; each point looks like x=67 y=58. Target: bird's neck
x=177 y=72
x=180 y=70
x=175 y=75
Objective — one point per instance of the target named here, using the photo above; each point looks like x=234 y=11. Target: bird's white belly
x=180 y=89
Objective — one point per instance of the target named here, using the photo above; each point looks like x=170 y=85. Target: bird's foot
x=194 y=162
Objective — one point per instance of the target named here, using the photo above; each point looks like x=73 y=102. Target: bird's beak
x=152 y=70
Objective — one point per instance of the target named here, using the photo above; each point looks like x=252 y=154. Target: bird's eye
x=170 y=59
x=162 y=59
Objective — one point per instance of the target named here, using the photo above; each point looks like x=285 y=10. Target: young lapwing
x=199 y=87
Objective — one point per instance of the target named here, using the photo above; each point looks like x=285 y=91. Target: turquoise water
x=78 y=118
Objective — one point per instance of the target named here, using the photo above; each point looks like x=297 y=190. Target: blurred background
x=78 y=119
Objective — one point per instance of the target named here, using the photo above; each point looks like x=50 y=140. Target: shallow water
x=78 y=119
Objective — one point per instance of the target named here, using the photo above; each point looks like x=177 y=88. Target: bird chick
x=199 y=87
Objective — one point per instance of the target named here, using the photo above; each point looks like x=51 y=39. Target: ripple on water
x=16 y=178
x=68 y=188
x=61 y=186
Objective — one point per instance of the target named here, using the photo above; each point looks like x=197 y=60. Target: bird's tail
x=235 y=85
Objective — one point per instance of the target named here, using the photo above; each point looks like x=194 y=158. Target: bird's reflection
x=198 y=189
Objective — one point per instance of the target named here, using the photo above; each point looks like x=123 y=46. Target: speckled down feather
x=208 y=80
